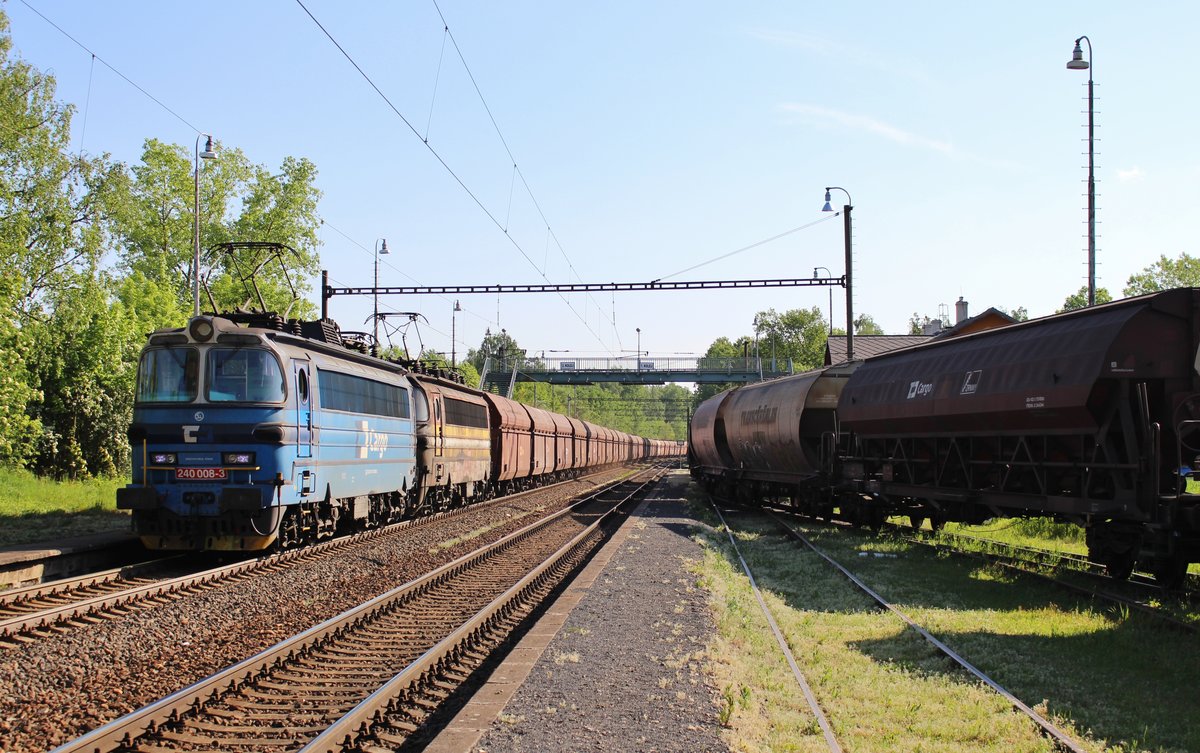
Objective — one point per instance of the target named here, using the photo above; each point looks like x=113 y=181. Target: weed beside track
x=1113 y=679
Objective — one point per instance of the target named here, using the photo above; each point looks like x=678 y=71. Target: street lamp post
x=375 y=318
x=849 y=265
x=830 y=275
x=639 y=349
x=1077 y=63
x=454 y=334
x=208 y=153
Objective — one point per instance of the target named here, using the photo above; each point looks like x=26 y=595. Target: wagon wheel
x=1120 y=565
x=1170 y=571
x=916 y=521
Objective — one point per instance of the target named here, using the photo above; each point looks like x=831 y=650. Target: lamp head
x=1077 y=63
x=209 y=152
x=828 y=207
x=457 y=307
x=384 y=249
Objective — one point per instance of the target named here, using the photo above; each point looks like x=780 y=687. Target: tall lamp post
x=208 y=153
x=378 y=250
x=639 y=349
x=454 y=334
x=830 y=275
x=849 y=265
x=1077 y=63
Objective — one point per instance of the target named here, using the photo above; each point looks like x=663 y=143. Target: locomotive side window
x=462 y=413
x=168 y=375
x=244 y=375
x=354 y=394
x=302 y=387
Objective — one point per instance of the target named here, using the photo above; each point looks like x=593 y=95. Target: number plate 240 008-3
x=200 y=474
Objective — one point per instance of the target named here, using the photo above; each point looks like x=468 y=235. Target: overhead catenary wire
x=516 y=168
x=747 y=248
x=127 y=80
x=326 y=223
x=441 y=160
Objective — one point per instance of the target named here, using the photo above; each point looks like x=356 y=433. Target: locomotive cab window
x=168 y=375
x=244 y=375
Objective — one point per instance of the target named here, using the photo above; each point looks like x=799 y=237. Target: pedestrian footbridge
x=500 y=374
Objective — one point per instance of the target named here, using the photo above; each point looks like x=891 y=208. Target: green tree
x=722 y=347
x=157 y=226
x=864 y=324
x=55 y=222
x=798 y=334
x=1078 y=299
x=466 y=368
x=917 y=323
x=1165 y=274
x=499 y=344
x=1020 y=313
x=85 y=362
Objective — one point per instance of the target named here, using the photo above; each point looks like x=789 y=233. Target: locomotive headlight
x=163 y=458
x=201 y=329
x=237 y=458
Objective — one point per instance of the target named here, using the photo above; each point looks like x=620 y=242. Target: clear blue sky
x=654 y=136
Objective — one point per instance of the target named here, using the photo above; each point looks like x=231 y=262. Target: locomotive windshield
x=244 y=374
x=168 y=375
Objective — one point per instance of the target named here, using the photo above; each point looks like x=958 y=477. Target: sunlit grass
x=1120 y=682
x=882 y=688
x=472 y=535
x=37 y=509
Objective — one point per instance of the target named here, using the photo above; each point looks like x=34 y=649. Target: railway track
x=1141 y=594
x=41 y=611
x=371 y=676
x=1052 y=559
x=1058 y=737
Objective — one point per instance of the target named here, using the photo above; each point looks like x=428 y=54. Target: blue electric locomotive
x=249 y=436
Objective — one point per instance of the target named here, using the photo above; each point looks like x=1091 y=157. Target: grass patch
x=472 y=535
x=1121 y=682
x=1040 y=533
x=37 y=509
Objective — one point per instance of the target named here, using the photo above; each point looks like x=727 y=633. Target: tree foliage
x=798 y=334
x=1020 y=313
x=70 y=327
x=1165 y=274
x=659 y=412
x=499 y=345
x=864 y=324
x=1079 y=299
x=238 y=202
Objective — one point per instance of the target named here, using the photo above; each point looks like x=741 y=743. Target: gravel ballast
x=625 y=671
x=56 y=689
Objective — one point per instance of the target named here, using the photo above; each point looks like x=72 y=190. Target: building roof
x=866 y=346
x=989 y=319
